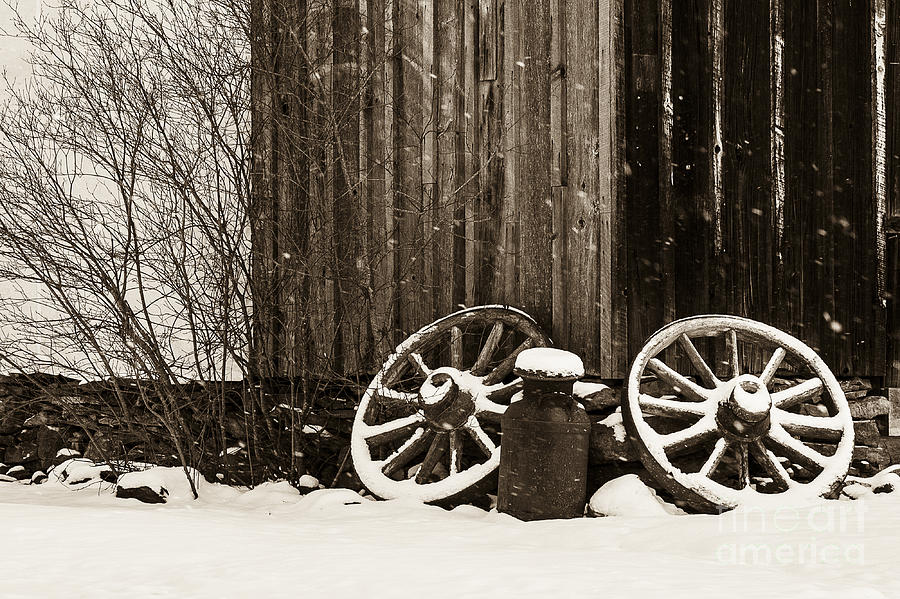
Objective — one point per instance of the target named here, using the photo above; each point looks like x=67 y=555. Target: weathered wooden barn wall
x=608 y=165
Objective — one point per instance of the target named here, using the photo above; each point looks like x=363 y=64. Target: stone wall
x=46 y=419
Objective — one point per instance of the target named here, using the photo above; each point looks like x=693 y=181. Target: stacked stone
x=871 y=411
x=41 y=415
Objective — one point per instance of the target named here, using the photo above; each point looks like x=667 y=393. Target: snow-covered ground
x=273 y=542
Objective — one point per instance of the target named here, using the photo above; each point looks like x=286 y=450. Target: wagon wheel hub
x=446 y=401
x=744 y=410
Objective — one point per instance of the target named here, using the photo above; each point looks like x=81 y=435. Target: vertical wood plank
x=582 y=196
x=892 y=85
x=469 y=65
x=804 y=269
x=558 y=104
x=781 y=305
x=892 y=366
x=414 y=300
x=643 y=216
x=666 y=168
x=533 y=159
x=432 y=237
x=447 y=126
x=487 y=39
x=852 y=322
x=262 y=208
x=611 y=187
x=747 y=218
x=560 y=331
x=508 y=226
x=558 y=168
x=289 y=191
x=879 y=179
x=892 y=246
x=349 y=204
x=378 y=118
x=717 y=145
x=491 y=135
x=322 y=308
x=746 y=106
x=822 y=289
x=692 y=158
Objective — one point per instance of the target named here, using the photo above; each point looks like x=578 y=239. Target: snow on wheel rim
x=738 y=417
x=451 y=381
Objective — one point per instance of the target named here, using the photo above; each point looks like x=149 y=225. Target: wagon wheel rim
x=738 y=425
x=450 y=405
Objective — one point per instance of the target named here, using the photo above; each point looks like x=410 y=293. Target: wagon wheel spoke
x=503 y=394
x=436 y=451
x=771 y=464
x=487 y=352
x=387 y=394
x=688 y=438
x=817 y=428
x=379 y=434
x=797 y=394
x=795 y=450
x=772 y=366
x=456 y=443
x=456 y=347
x=506 y=366
x=670 y=407
x=706 y=374
x=743 y=465
x=679 y=382
x=481 y=438
x=735 y=357
x=419 y=364
x=715 y=457
x=406 y=452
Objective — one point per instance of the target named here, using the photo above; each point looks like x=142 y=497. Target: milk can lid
x=550 y=364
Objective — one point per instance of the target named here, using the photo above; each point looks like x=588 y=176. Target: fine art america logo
x=822 y=535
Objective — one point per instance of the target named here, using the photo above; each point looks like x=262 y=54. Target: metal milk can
x=546 y=436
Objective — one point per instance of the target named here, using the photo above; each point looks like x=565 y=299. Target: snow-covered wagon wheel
x=428 y=424
x=719 y=434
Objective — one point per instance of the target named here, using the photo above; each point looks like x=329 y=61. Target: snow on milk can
x=546 y=436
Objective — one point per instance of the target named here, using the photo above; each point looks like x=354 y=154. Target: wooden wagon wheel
x=428 y=424
x=726 y=437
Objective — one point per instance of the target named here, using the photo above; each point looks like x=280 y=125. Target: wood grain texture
x=892 y=84
x=642 y=207
x=693 y=198
x=892 y=353
x=349 y=206
x=879 y=33
x=581 y=276
x=558 y=90
x=804 y=264
x=852 y=325
x=448 y=150
x=507 y=289
x=414 y=297
x=321 y=258
x=533 y=160
x=608 y=165
x=378 y=121
x=611 y=189
x=488 y=42
x=781 y=304
x=489 y=137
